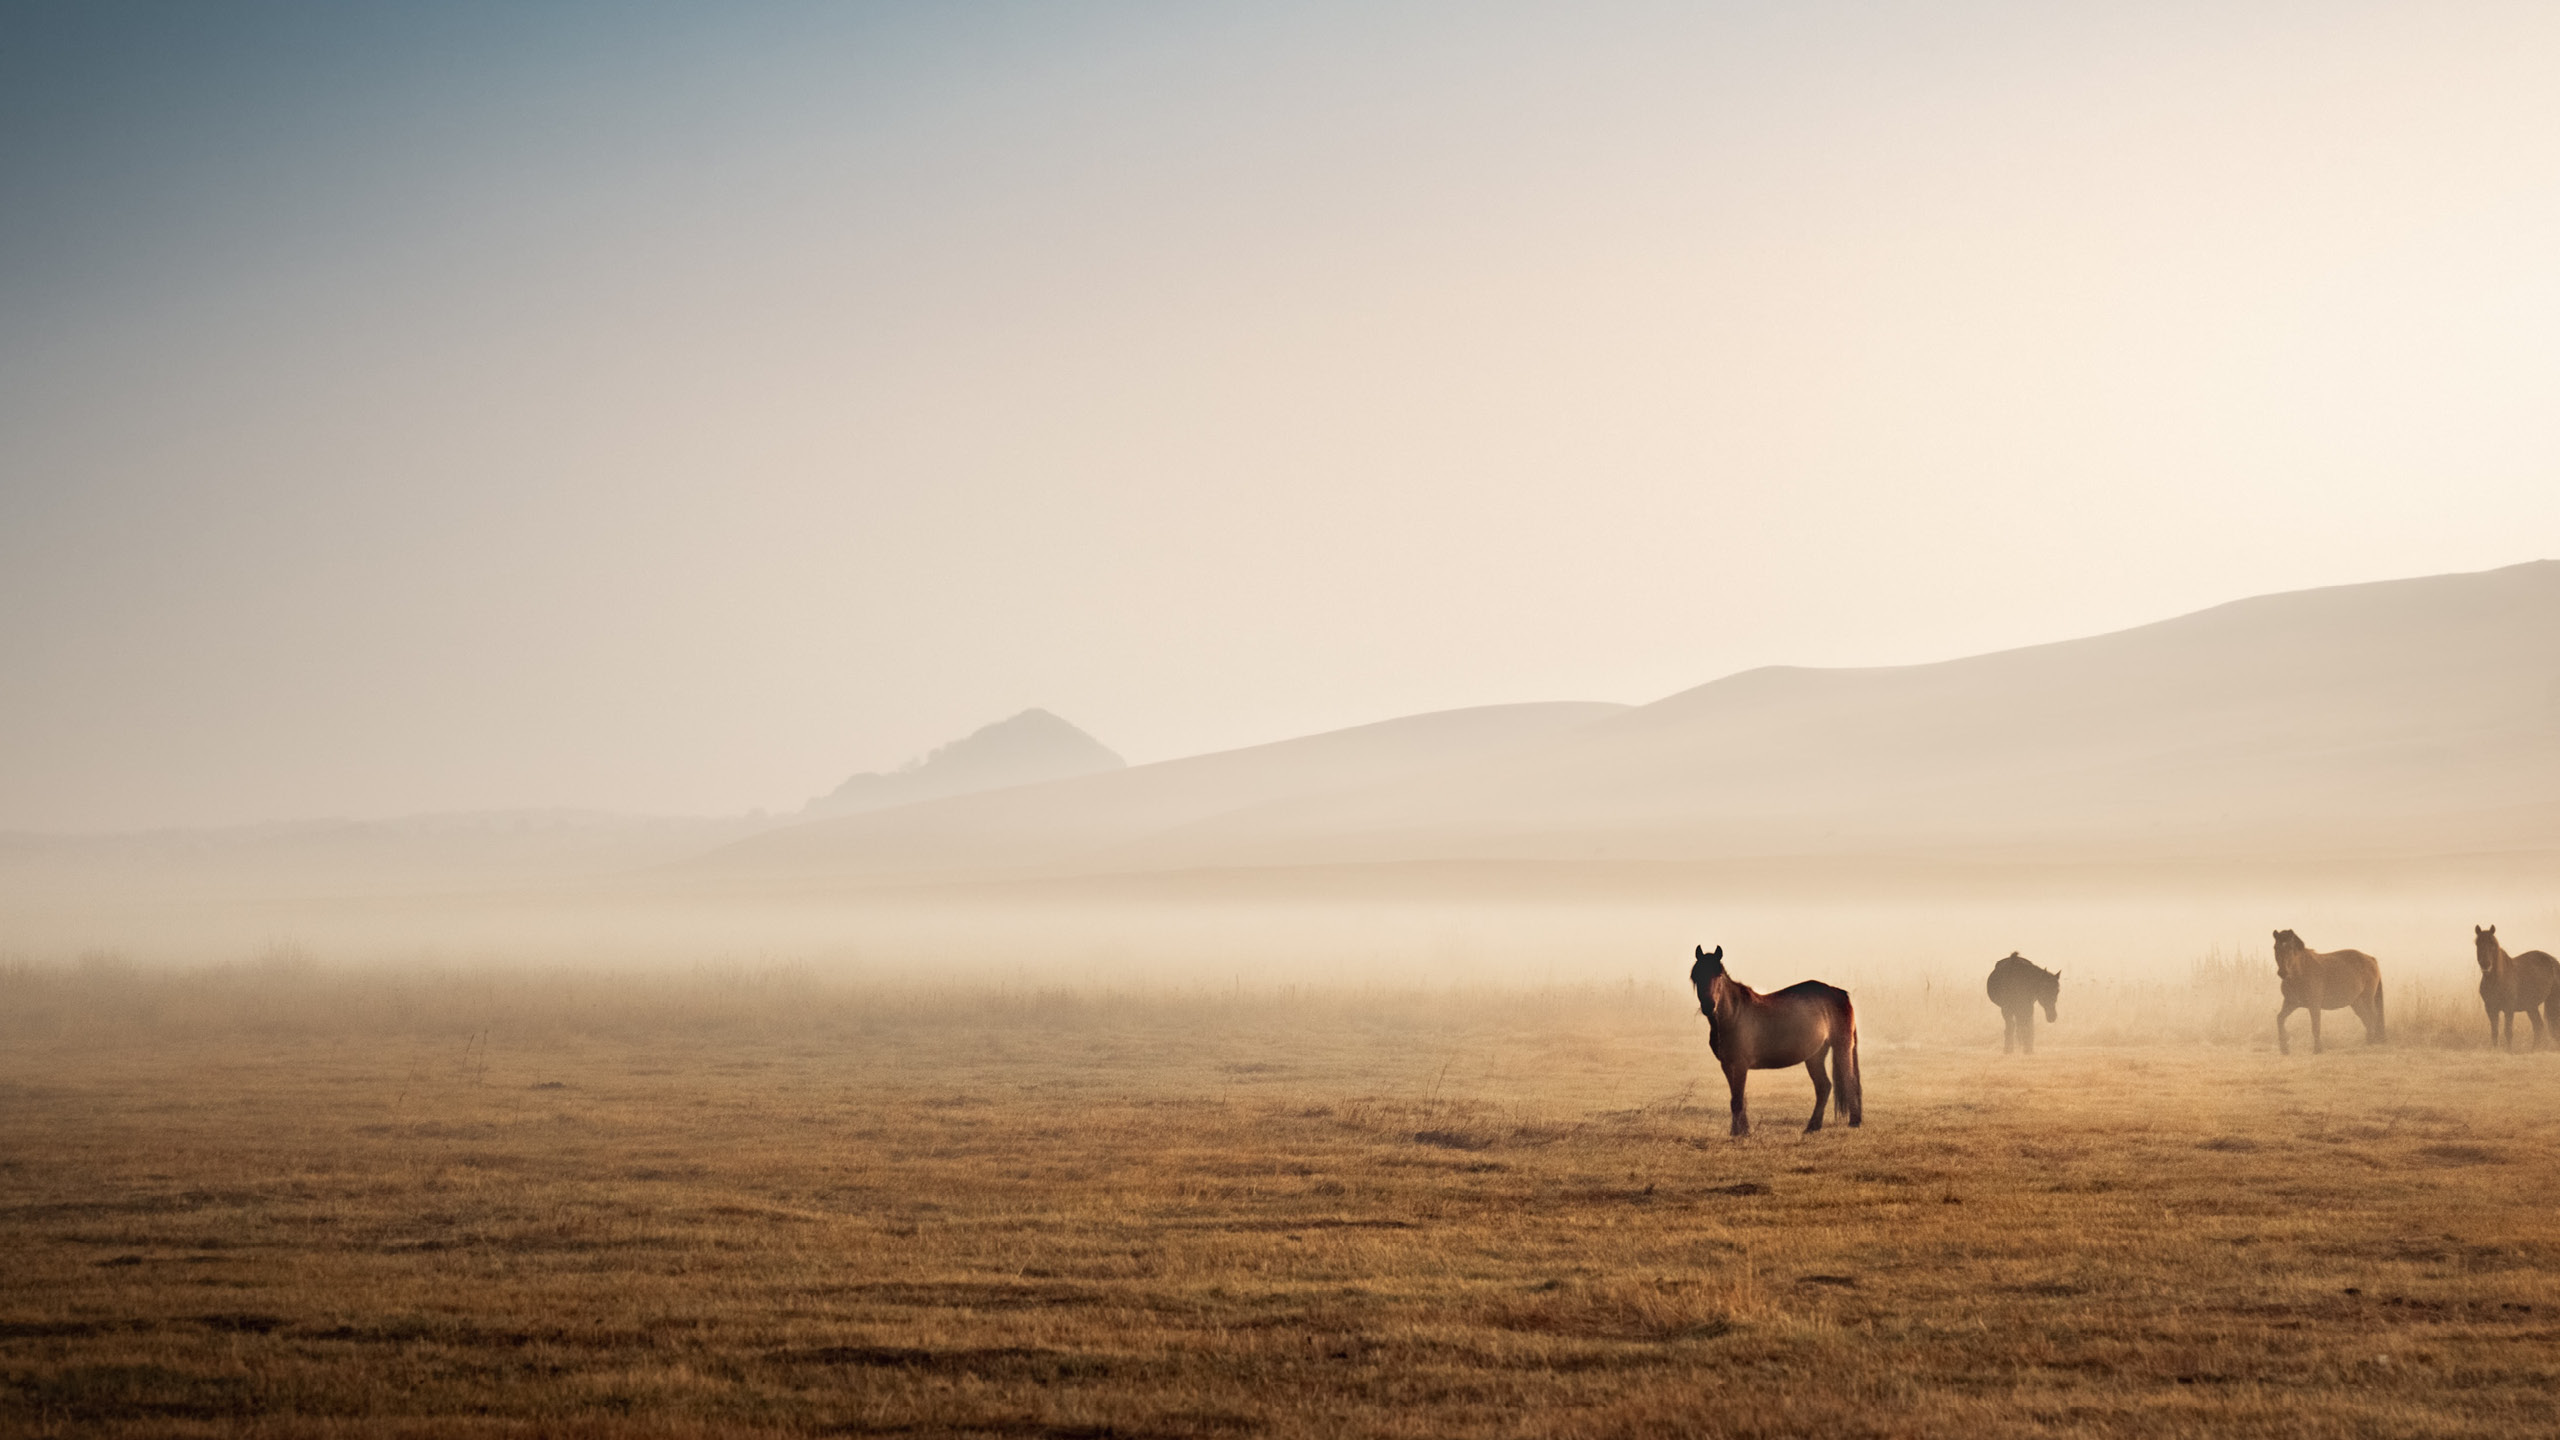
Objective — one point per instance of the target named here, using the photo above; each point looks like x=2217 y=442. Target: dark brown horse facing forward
x=2018 y=985
x=2529 y=982
x=1751 y=1031
x=2317 y=980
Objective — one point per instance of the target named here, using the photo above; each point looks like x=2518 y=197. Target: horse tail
x=1848 y=1097
x=2381 y=1032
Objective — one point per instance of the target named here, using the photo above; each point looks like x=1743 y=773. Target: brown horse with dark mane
x=1795 y=1026
x=2529 y=983
x=2317 y=980
x=2018 y=985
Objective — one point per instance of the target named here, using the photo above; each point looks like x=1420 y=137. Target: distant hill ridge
x=1027 y=749
x=2398 y=718
x=2400 y=724
x=1068 y=822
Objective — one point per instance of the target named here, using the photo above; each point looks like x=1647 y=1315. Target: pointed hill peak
x=1025 y=750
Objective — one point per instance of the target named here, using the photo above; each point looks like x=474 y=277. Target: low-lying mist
x=2135 y=972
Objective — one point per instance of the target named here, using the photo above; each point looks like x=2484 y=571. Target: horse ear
x=1702 y=951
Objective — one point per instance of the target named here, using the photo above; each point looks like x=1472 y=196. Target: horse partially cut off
x=1795 y=1026
x=2529 y=982
x=2018 y=985
x=2317 y=980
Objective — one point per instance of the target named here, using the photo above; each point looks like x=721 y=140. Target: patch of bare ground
x=1322 y=1215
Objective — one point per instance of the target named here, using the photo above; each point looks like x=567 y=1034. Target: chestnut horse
x=1751 y=1031
x=2529 y=982
x=2018 y=985
x=2317 y=980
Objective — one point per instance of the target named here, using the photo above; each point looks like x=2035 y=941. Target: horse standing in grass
x=2018 y=985
x=2317 y=980
x=2529 y=982
x=1795 y=1026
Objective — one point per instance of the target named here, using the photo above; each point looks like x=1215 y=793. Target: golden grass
x=289 y=1201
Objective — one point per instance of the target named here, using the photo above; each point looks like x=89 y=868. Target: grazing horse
x=2529 y=982
x=2317 y=980
x=2018 y=985
x=1751 y=1031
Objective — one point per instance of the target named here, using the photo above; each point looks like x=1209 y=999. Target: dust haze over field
x=1007 y=721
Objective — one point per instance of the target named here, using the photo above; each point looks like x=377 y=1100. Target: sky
x=676 y=409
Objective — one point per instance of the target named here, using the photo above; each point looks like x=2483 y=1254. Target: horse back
x=1830 y=1001
x=1785 y=1027
x=2537 y=975
x=1814 y=990
x=2345 y=976
x=2015 y=981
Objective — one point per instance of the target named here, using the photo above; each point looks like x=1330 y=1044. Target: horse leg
x=2315 y=1027
x=2027 y=1030
x=1821 y=1091
x=2534 y=1014
x=1844 y=1078
x=2284 y=1042
x=1735 y=1076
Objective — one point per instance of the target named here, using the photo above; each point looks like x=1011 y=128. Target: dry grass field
x=290 y=1201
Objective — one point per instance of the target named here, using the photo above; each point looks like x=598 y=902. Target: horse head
x=2485 y=947
x=1704 y=975
x=2289 y=946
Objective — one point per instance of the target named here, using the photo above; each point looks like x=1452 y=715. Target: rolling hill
x=2401 y=718
x=2348 y=738
x=1070 y=823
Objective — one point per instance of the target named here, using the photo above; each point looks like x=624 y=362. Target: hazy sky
x=446 y=406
